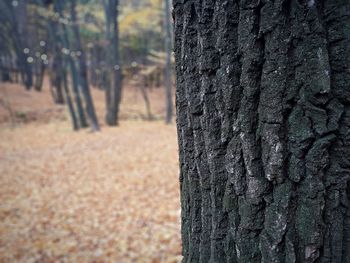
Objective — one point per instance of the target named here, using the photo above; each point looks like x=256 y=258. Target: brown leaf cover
x=70 y=196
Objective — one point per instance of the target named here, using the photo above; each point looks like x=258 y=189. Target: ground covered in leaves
x=71 y=196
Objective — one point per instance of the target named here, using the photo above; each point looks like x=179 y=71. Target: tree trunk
x=113 y=90
x=38 y=85
x=70 y=104
x=93 y=64
x=167 y=75
x=56 y=81
x=263 y=104
x=61 y=63
x=144 y=94
x=104 y=56
x=17 y=18
x=75 y=78
x=40 y=74
x=5 y=68
x=83 y=71
x=56 y=78
x=21 y=18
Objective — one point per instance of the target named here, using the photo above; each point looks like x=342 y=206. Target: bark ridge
x=263 y=118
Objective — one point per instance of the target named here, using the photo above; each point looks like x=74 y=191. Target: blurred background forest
x=88 y=151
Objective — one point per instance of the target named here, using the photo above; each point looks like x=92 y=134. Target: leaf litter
x=111 y=196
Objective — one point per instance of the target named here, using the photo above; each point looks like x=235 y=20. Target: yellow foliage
x=149 y=17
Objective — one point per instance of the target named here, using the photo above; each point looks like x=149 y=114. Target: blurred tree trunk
x=83 y=70
x=17 y=18
x=5 y=76
x=5 y=68
x=70 y=104
x=263 y=118
x=22 y=22
x=105 y=51
x=167 y=76
x=58 y=34
x=144 y=94
x=113 y=89
x=56 y=78
x=38 y=85
x=56 y=81
x=101 y=66
x=94 y=63
x=15 y=70
x=39 y=76
x=117 y=81
x=75 y=78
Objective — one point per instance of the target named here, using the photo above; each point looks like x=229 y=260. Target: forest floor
x=65 y=196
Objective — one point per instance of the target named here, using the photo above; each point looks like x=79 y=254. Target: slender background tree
x=113 y=84
x=83 y=77
x=167 y=74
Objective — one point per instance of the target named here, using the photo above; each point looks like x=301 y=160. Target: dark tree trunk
x=263 y=104
x=38 y=85
x=14 y=74
x=83 y=77
x=75 y=78
x=167 y=75
x=113 y=89
x=70 y=104
x=76 y=91
x=39 y=77
x=105 y=50
x=61 y=63
x=22 y=20
x=144 y=94
x=105 y=57
x=56 y=78
x=56 y=81
x=6 y=68
x=5 y=76
x=117 y=75
x=93 y=64
x=18 y=21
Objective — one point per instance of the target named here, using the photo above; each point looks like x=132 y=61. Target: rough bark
x=263 y=116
